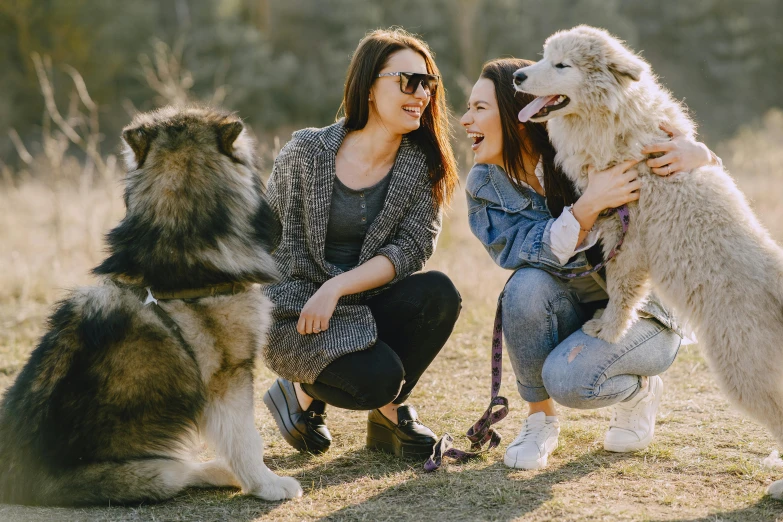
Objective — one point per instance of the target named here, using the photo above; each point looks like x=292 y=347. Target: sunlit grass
x=703 y=464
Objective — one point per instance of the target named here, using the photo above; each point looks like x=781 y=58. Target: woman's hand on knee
x=314 y=317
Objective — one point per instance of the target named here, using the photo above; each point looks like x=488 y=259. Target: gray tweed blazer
x=300 y=191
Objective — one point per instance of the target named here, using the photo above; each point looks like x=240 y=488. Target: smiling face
x=582 y=70
x=396 y=111
x=483 y=125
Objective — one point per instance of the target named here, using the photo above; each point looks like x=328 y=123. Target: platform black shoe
x=305 y=430
x=409 y=438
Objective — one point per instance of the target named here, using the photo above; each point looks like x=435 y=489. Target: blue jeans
x=552 y=357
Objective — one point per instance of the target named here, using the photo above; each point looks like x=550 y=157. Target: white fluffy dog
x=693 y=238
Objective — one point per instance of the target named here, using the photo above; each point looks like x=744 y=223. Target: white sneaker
x=633 y=422
x=534 y=443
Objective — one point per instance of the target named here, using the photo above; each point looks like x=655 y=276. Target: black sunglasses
x=409 y=82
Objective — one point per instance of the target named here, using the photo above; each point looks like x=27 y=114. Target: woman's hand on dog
x=608 y=188
x=681 y=153
x=612 y=187
x=316 y=313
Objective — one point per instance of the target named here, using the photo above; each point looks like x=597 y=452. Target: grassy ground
x=703 y=465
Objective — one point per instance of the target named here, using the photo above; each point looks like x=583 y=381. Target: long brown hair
x=534 y=141
x=433 y=136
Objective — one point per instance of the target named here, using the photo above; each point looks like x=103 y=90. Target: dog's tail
x=105 y=483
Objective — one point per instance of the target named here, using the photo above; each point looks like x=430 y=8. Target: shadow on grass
x=227 y=504
x=189 y=506
x=765 y=510
x=466 y=493
x=482 y=490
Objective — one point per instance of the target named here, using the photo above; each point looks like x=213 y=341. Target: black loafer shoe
x=409 y=438
x=305 y=430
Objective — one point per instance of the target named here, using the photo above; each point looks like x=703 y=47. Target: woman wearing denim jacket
x=526 y=214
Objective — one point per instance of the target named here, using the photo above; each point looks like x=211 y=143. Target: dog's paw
x=279 y=488
x=602 y=330
x=776 y=490
x=611 y=335
x=593 y=327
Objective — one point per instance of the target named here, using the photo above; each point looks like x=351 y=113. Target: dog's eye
x=561 y=65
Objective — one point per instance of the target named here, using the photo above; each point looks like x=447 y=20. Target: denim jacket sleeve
x=513 y=225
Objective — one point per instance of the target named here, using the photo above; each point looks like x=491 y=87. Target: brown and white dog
x=131 y=372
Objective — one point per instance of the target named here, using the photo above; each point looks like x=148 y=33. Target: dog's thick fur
x=693 y=237
x=111 y=403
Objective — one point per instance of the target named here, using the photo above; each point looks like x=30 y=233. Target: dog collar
x=196 y=293
x=150 y=295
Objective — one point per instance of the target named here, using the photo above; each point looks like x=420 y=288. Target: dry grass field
x=705 y=462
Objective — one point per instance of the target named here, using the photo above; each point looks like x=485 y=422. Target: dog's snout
x=519 y=77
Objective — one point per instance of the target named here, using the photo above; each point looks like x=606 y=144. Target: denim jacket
x=514 y=226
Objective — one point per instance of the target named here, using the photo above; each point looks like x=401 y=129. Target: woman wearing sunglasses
x=525 y=212
x=354 y=325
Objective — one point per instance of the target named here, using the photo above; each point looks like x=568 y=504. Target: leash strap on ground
x=482 y=431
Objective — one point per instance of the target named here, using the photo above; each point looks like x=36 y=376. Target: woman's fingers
x=305 y=324
x=634 y=185
x=671 y=130
x=624 y=166
x=668 y=170
x=630 y=175
x=666 y=159
x=661 y=146
x=309 y=325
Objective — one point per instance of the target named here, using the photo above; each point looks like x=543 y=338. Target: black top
x=350 y=214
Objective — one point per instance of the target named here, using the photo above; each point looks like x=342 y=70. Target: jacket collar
x=332 y=137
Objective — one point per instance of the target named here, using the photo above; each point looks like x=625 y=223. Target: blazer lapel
x=319 y=199
x=406 y=173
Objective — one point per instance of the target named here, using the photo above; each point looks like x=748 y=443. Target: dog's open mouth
x=542 y=106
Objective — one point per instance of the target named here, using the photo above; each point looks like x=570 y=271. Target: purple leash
x=482 y=431
x=625 y=219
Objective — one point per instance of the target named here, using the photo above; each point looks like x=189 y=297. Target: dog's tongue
x=533 y=107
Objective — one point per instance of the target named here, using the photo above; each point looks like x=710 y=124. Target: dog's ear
x=139 y=140
x=625 y=65
x=228 y=132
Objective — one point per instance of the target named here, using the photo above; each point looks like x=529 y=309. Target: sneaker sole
x=384 y=440
x=279 y=410
x=642 y=444
x=529 y=464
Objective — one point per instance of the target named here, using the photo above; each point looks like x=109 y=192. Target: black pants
x=414 y=319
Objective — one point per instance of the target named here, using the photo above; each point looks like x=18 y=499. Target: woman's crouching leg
x=586 y=373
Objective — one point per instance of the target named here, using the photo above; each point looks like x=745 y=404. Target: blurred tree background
x=281 y=63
